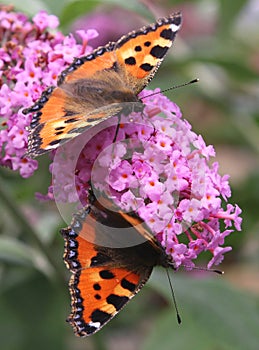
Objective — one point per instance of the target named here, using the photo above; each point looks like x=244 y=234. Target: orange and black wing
x=63 y=112
x=104 y=278
x=93 y=87
x=98 y=294
x=140 y=53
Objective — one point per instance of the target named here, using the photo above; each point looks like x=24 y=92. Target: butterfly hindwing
x=41 y=139
x=104 y=278
x=90 y=87
x=98 y=294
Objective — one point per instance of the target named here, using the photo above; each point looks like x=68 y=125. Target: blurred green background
x=219 y=44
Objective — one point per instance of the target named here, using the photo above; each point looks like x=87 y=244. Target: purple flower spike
x=156 y=166
x=31 y=58
x=160 y=169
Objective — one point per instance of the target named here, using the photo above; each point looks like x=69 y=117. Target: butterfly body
x=104 y=278
x=94 y=87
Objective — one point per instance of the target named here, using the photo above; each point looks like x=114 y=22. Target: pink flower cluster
x=31 y=58
x=158 y=168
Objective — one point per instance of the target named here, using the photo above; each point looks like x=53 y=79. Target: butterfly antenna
x=179 y=320
x=173 y=88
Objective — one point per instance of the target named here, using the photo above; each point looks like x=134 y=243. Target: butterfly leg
x=117 y=129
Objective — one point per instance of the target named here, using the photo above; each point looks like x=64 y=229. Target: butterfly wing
x=49 y=135
x=98 y=294
x=88 y=91
x=104 y=279
x=141 y=52
x=92 y=88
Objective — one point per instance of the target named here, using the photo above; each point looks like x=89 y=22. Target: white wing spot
x=174 y=27
x=94 y=324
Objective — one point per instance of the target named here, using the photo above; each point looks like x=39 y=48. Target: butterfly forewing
x=141 y=52
x=88 y=89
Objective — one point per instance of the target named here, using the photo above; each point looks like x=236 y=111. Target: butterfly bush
x=31 y=58
x=160 y=169
x=157 y=167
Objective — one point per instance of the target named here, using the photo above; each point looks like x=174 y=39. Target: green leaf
x=214 y=316
x=12 y=251
x=76 y=9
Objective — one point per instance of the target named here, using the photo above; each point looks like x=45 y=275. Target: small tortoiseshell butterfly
x=94 y=87
x=104 y=278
